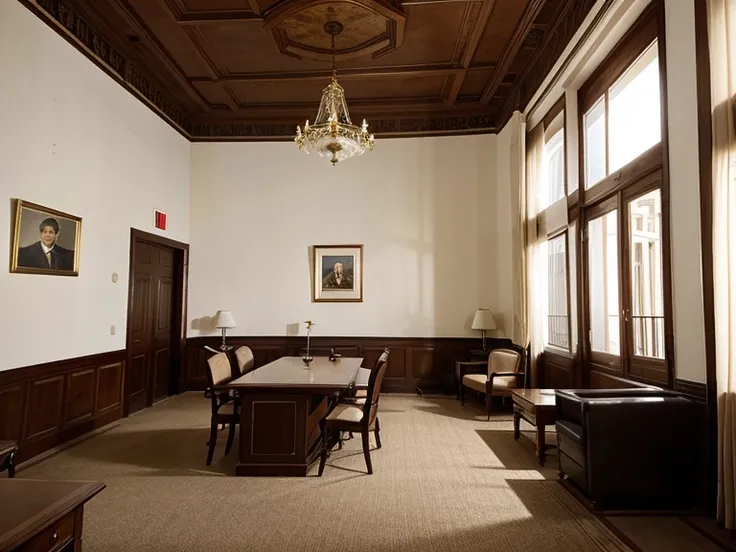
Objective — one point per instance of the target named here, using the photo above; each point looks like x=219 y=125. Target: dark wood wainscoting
x=693 y=390
x=558 y=371
x=424 y=362
x=44 y=405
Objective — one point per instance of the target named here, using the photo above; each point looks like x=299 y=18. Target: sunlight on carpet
x=445 y=480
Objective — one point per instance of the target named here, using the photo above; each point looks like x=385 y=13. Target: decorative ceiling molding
x=512 y=48
x=375 y=27
x=69 y=24
x=194 y=69
x=387 y=128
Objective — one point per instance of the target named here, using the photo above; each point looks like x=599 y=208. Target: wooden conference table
x=282 y=404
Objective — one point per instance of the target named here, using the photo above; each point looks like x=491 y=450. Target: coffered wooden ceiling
x=254 y=69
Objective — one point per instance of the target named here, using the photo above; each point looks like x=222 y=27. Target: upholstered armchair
x=505 y=373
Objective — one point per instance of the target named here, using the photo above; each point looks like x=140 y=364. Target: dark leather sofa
x=629 y=448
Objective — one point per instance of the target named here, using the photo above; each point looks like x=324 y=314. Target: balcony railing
x=648 y=336
x=558 y=330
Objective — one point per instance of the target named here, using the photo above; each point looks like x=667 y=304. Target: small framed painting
x=338 y=273
x=45 y=241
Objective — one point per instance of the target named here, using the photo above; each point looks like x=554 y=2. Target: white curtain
x=722 y=37
x=520 y=330
x=536 y=268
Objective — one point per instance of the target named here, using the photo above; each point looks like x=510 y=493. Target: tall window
x=647 y=290
x=603 y=283
x=558 y=326
x=625 y=121
x=628 y=323
x=553 y=160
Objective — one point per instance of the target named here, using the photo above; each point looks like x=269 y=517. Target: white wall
x=683 y=157
x=75 y=140
x=424 y=208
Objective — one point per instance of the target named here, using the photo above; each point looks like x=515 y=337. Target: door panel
x=151 y=327
x=162 y=364
x=137 y=381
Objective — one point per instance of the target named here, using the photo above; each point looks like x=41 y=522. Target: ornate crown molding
x=65 y=19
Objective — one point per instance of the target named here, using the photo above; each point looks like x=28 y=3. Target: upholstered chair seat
x=352 y=413
x=502 y=385
x=360 y=415
x=504 y=375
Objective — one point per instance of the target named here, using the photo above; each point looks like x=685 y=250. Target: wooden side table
x=538 y=407
x=8 y=450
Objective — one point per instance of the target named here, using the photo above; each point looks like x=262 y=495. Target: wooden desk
x=282 y=404
x=43 y=516
x=536 y=406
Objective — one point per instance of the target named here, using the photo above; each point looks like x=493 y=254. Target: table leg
x=517 y=419
x=540 y=444
x=456 y=378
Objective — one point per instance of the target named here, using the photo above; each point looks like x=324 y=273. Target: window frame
x=550 y=347
x=556 y=110
x=649 y=171
x=636 y=41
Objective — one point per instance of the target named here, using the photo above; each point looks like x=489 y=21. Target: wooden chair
x=505 y=374
x=245 y=359
x=358 y=418
x=225 y=408
x=360 y=394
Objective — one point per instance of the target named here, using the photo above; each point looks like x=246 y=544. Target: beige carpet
x=445 y=480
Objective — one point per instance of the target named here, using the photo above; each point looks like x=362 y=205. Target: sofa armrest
x=569 y=406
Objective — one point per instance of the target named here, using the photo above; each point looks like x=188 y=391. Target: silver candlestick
x=308 y=357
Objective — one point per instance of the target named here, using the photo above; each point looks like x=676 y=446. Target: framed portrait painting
x=45 y=241
x=338 y=273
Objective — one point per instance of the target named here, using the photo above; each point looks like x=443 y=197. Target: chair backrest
x=370 y=408
x=245 y=359
x=504 y=360
x=219 y=369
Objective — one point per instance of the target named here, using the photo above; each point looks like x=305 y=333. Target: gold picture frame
x=337 y=273
x=45 y=241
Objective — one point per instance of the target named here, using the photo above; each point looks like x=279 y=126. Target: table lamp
x=484 y=321
x=224 y=320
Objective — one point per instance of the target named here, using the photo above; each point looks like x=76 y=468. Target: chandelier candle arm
x=333 y=134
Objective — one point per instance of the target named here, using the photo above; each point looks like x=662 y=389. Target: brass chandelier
x=333 y=134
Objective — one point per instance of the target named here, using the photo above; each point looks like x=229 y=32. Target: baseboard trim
x=64 y=446
x=693 y=390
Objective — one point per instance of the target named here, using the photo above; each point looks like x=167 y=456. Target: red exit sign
x=159 y=220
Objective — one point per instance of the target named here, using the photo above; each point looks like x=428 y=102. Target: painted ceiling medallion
x=372 y=27
x=333 y=134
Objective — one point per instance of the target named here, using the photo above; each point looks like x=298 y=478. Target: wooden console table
x=536 y=406
x=43 y=516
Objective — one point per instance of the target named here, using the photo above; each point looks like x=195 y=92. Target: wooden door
x=150 y=341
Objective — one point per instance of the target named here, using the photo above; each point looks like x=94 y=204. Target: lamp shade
x=224 y=319
x=484 y=320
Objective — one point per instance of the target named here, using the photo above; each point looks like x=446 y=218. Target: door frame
x=179 y=307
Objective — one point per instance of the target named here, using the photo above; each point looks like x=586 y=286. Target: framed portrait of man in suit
x=45 y=241
x=338 y=272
